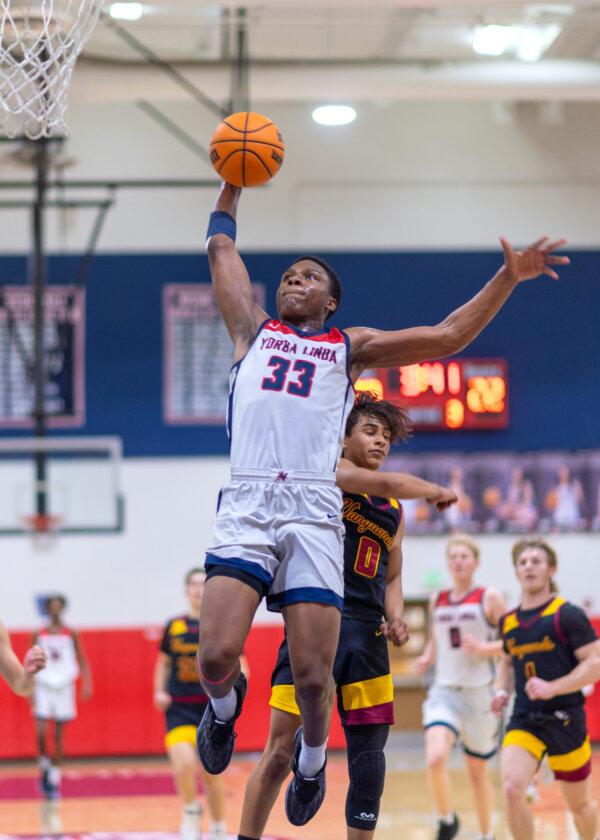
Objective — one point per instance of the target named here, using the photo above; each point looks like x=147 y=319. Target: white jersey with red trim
x=289 y=399
x=451 y=621
x=61 y=668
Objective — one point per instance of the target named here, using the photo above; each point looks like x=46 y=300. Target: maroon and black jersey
x=371 y=525
x=180 y=643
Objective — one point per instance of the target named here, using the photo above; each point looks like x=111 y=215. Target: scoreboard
x=446 y=395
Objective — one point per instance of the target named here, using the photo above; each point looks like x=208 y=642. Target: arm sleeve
x=164 y=642
x=576 y=626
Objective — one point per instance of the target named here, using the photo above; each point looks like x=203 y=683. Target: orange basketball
x=247 y=149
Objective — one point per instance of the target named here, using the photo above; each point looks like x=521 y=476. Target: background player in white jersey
x=278 y=530
x=54 y=695
x=20 y=677
x=462 y=643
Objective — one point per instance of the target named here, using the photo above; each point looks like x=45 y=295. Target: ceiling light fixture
x=334 y=115
x=493 y=39
x=126 y=11
x=535 y=40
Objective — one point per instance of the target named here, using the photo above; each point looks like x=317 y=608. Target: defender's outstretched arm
x=380 y=348
x=395 y=485
x=230 y=279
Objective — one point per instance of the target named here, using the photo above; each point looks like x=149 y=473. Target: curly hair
x=396 y=420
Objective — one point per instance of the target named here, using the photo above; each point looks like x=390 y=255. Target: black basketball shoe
x=303 y=797
x=447 y=831
x=214 y=738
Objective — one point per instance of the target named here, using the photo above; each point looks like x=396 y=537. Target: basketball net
x=40 y=41
x=43 y=529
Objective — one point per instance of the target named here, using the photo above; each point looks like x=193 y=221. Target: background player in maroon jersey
x=551 y=653
x=178 y=693
x=308 y=294
x=461 y=645
x=373 y=588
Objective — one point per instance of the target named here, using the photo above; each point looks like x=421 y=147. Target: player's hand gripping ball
x=247 y=149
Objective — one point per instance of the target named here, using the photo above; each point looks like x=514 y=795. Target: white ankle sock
x=311 y=759
x=225 y=706
x=447 y=819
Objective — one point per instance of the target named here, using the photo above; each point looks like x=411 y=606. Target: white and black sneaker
x=447 y=831
x=303 y=796
x=215 y=739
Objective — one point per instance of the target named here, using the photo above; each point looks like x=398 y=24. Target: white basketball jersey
x=289 y=399
x=61 y=668
x=451 y=620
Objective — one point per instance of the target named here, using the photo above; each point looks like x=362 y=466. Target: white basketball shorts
x=467 y=712
x=54 y=703
x=282 y=533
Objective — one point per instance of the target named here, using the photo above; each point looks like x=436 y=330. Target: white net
x=40 y=41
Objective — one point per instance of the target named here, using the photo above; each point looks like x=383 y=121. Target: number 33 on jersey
x=304 y=379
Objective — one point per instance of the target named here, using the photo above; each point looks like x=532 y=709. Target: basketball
x=247 y=149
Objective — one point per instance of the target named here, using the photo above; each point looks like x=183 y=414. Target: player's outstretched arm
x=380 y=348
x=394 y=485
x=230 y=279
x=19 y=677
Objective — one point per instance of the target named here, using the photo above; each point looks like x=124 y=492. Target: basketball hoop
x=40 y=41
x=43 y=528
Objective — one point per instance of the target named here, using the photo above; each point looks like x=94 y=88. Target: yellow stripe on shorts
x=181 y=735
x=367 y=693
x=572 y=760
x=525 y=740
x=284 y=697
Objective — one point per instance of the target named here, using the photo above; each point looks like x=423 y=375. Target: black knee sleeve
x=367 y=777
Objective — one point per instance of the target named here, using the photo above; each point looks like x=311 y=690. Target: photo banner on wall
x=197 y=353
x=515 y=493
x=64 y=357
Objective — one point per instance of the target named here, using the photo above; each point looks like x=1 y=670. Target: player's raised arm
x=380 y=348
x=230 y=278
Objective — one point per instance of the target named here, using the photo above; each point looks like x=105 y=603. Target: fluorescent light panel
x=126 y=11
x=334 y=115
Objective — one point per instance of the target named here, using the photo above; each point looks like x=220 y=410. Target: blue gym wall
x=547 y=331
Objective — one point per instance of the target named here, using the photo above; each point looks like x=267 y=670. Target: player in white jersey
x=278 y=530
x=54 y=696
x=462 y=643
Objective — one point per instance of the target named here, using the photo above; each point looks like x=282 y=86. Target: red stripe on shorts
x=383 y=713
x=574 y=775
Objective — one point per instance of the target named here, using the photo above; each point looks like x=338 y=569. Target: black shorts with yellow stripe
x=561 y=735
x=182 y=719
x=361 y=672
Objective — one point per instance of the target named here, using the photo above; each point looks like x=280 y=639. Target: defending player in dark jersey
x=178 y=693
x=372 y=589
x=551 y=652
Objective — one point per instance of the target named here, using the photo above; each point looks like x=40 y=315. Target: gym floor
x=127 y=798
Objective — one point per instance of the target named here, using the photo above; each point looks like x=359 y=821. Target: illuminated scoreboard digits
x=457 y=394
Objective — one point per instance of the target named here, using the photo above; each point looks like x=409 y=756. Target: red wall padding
x=120 y=718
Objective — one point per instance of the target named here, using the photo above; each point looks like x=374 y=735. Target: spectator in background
x=519 y=510
x=459 y=517
x=565 y=500
x=54 y=695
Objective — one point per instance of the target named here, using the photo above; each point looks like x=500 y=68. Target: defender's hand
x=162 y=700
x=444 y=498
x=395 y=631
x=34 y=661
x=537 y=689
x=535 y=260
